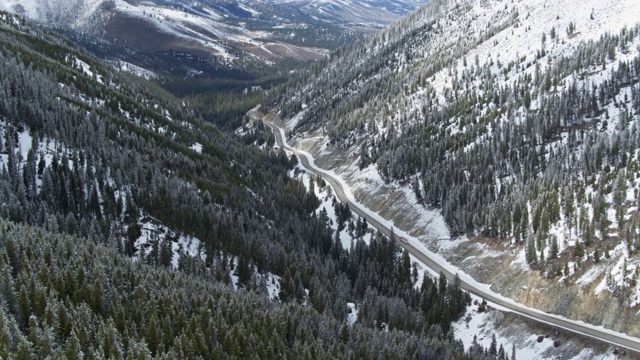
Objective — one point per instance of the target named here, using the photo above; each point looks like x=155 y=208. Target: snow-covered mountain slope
x=372 y=13
x=227 y=30
x=53 y=12
x=517 y=120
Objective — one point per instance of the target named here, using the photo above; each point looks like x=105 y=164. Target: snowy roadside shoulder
x=484 y=326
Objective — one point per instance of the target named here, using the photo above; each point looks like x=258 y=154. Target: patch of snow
x=86 y=69
x=197 y=147
x=327 y=201
x=590 y=276
x=248 y=9
x=352 y=314
x=134 y=69
x=25 y=141
x=484 y=325
x=154 y=232
x=187 y=245
x=273 y=285
x=587 y=353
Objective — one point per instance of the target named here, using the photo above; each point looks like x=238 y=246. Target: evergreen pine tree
x=73 y=350
x=493 y=347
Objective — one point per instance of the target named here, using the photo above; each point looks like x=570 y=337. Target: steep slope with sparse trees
x=518 y=121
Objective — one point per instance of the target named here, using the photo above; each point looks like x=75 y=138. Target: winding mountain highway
x=436 y=264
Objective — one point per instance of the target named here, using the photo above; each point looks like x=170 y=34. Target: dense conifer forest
x=88 y=153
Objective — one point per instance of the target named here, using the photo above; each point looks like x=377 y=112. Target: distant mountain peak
x=232 y=31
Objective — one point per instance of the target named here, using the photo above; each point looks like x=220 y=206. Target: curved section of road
x=466 y=282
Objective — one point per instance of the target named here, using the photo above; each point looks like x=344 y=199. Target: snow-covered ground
x=197 y=147
x=45 y=151
x=515 y=43
x=86 y=69
x=352 y=313
x=510 y=332
x=42 y=10
x=327 y=205
x=154 y=232
x=137 y=70
x=273 y=285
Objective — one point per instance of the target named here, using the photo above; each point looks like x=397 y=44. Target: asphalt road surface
x=599 y=333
